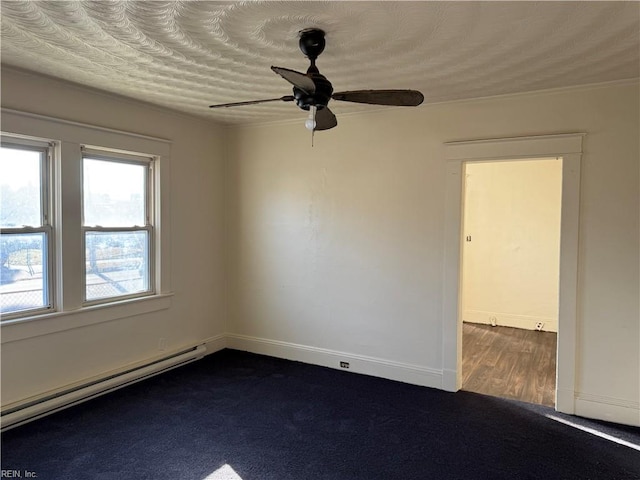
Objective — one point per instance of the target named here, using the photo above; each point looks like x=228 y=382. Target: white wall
x=36 y=364
x=511 y=268
x=336 y=251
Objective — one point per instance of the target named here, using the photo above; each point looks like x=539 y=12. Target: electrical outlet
x=344 y=364
x=493 y=321
x=539 y=326
x=162 y=344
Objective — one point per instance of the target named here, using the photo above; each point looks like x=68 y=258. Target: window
x=26 y=235
x=85 y=224
x=117 y=213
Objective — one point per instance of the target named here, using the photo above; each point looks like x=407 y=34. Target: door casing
x=569 y=147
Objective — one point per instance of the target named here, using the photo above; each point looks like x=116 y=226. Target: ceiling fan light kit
x=312 y=91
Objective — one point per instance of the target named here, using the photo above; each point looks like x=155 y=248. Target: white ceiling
x=186 y=55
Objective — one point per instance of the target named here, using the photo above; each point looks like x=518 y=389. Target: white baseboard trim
x=582 y=404
x=565 y=401
x=377 y=367
x=607 y=408
x=450 y=380
x=527 y=322
x=216 y=343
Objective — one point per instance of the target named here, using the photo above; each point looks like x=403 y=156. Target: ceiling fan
x=312 y=91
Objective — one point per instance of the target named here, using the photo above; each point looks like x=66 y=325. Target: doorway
x=568 y=146
x=510 y=277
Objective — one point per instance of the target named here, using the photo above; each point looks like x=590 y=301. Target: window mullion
x=71 y=239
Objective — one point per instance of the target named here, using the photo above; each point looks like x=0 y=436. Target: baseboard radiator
x=14 y=416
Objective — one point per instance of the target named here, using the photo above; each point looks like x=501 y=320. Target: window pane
x=23 y=273
x=20 y=187
x=116 y=264
x=114 y=193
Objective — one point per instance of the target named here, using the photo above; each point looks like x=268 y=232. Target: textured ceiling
x=186 y=55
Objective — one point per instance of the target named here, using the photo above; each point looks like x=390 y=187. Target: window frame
x=68 y=136
x=129 y=158
x=46 y=149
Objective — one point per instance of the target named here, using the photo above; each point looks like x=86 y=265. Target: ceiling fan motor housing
x=320 y=97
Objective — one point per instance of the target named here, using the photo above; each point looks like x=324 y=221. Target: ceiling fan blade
x=286 y=98
x=296 y=79
x=325 y=119
x=399 y=98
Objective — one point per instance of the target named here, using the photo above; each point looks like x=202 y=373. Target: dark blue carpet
x=268 y=418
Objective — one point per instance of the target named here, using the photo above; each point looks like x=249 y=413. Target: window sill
x=35 y=326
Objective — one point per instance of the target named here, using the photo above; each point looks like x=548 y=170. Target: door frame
x=569 y=147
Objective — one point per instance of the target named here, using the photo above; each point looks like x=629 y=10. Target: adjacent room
x=341 y=240
x=510 y=278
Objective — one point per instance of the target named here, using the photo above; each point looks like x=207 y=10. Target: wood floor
x=509 y=362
